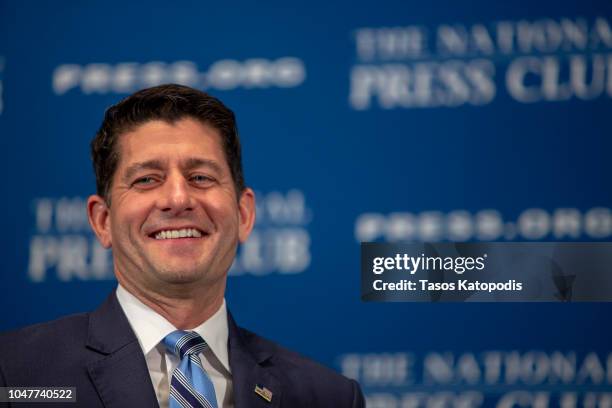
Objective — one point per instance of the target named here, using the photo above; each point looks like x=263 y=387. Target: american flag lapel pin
x=263 y=392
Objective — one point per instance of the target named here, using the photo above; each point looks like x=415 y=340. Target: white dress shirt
x=151 y=328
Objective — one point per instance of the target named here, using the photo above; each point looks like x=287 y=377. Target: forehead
x=160 y=140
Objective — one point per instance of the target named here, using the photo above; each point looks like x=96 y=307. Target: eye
x=144 y=181
x=201 y=179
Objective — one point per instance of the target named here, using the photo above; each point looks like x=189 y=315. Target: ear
x=99 y=219
x=246 y=208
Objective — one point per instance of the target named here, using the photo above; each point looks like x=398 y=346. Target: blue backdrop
x=370 y=121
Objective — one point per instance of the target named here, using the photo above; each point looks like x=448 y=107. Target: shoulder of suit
x=45 y=337
x=307 y=383
x=292 y=363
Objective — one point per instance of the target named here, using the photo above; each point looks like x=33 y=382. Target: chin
x=178 y=276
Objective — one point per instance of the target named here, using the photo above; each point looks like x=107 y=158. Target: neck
x=185 y=307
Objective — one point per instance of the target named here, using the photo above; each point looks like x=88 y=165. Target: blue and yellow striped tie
x=190 y=386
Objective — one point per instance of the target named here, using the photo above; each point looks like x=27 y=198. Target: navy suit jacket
x=99 y=354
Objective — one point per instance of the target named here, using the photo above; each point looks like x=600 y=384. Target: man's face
x=174 y=217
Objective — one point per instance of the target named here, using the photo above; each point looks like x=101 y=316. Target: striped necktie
x=190 y=386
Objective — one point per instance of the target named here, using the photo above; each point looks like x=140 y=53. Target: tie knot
x=181 y=342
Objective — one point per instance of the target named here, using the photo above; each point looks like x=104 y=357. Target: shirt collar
x=151 y=328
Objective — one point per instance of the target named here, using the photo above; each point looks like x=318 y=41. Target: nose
x=176 y=196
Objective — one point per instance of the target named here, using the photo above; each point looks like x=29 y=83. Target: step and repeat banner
x=382 y=122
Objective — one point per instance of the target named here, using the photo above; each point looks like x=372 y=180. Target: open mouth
x=177 y=234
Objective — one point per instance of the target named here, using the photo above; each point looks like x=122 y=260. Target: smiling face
x=175 y=220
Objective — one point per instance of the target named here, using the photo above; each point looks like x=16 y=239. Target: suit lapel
x=120 y=375
x=122 y=379
x=248 y=371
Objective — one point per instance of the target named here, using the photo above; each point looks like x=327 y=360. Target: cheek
x=223 y=213
x=127 y=222
x=222 y=208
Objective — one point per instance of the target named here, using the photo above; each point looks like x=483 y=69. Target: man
x=172 y=204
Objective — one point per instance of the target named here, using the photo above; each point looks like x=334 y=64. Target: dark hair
x=169 y=103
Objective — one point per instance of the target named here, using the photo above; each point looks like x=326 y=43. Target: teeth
x=182 y=233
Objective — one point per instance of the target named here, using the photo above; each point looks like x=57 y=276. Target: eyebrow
x=193 y=162
x=188 y=164
x=146 y=165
